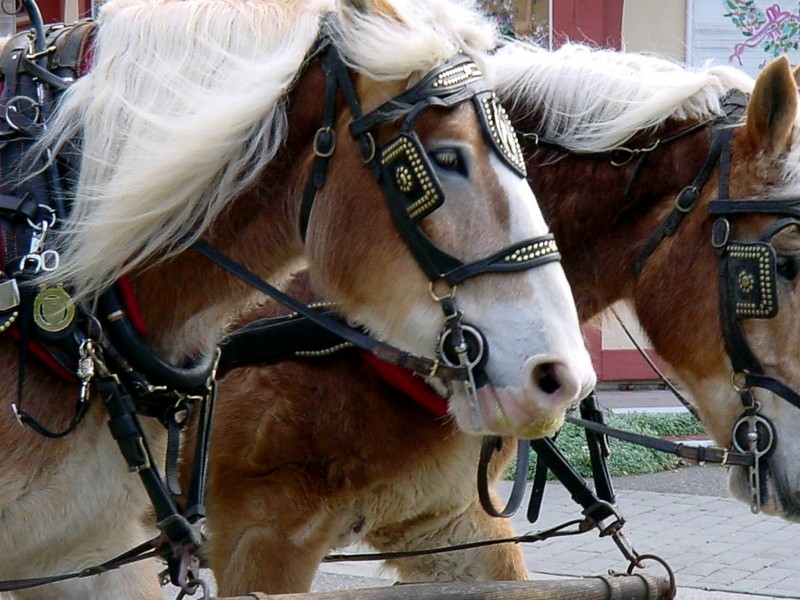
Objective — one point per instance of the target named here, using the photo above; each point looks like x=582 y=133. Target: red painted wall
x=598 y=22
x=53 y=11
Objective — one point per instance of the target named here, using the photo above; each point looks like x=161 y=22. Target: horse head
x=677 y=190
x=362 y=140
x=455 y=201
x=760 y=296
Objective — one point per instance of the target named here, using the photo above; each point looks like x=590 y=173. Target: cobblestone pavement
x=718 y=549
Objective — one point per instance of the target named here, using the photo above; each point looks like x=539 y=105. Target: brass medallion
x=404 y=179
x=53 y=309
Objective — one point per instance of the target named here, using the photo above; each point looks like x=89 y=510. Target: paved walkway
x=718 y=549
x=712 y=543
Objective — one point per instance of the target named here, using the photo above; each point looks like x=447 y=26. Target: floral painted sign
x=743 y=33
x=774 y=30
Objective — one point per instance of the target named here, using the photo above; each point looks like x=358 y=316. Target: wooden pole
x=613 y=587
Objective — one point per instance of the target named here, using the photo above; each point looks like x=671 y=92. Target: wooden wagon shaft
x=616 y=587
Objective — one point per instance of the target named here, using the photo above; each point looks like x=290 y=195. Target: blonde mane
x=593 y=100
x=185 y=105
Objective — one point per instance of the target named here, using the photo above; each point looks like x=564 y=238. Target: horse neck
x=188 y=301
x=601 y=230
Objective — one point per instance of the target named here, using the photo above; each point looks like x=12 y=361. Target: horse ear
x=796 y=74
x=773 y=107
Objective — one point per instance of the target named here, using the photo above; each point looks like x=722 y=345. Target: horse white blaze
x=538 y=363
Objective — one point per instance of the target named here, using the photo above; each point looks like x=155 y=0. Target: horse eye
x=786 y=266
x=450 y=159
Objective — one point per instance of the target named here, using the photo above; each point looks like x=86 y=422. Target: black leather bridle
x=747 y=284
x=747 y=287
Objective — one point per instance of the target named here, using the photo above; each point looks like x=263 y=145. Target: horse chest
x=56 y=497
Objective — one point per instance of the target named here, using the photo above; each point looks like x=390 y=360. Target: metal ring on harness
x=47 y=223
x=17 y=7
x=324 y=147
x=753 y=433
x=738 y=376
x=670 y=573
x=15 y=105
x=475 y=347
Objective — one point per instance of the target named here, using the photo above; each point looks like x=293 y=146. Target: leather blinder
x=500 y=132
x=405 y=166
x=751 y=280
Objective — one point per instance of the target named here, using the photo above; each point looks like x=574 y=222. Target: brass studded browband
x=409 y=181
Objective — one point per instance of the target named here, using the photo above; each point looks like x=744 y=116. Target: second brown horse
x=330 y=454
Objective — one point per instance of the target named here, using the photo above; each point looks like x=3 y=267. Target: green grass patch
x=626 y=458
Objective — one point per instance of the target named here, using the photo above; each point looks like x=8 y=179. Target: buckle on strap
x=9 y=295
x=324 y=142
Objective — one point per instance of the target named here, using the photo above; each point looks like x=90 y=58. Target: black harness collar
x=31 y=207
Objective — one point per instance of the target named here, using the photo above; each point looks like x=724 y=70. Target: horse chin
x=777 y=496
x=504 y=411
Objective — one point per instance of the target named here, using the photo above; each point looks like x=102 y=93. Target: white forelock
x=426 y=34
x=591 y=100
x=185 y=106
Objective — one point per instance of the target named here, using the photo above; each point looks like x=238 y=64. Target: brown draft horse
x=330 y=454
x=198 y=120
x=701 y=307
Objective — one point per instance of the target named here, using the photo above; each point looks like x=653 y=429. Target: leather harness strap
x=489 y=446
x=380 y=349
x=699 y=454
x=684 y=202
x=274 y=339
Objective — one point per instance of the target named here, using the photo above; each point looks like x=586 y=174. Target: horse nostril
x=545 y=375
x=550 y=382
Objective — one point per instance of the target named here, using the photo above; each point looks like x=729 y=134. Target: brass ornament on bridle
x=501 y=132
x=752 y=280
x=413 y=175
x=53 y=310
